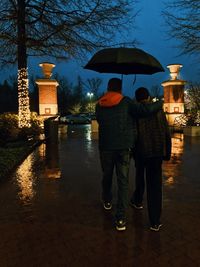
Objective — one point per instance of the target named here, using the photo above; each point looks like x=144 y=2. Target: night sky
x=151 y=33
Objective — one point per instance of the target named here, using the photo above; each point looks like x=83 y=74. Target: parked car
x=93 y=116
x=90 y=115
x=75 y=119
x=63 y=119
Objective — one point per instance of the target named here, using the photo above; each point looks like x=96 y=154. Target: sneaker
x=120 y=225
x=107 y=205
x=137 y=206
x=155 y=227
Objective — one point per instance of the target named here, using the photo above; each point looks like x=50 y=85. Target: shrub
x=193 y=118
x=33 y=131
x=8 y=127
x=9 y=130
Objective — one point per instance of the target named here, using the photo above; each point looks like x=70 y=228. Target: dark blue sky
x=151 y=32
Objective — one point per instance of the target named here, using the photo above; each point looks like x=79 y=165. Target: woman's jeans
x=152 y=169
x=120 y=161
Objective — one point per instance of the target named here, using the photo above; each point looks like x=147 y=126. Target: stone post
x=48 y=104
x=174 y=94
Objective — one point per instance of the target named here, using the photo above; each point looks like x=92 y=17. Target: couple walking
x=129 y=129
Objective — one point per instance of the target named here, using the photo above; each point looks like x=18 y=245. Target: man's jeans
x=120 y=160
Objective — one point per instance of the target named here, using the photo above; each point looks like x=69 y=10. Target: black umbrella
x=124 y=61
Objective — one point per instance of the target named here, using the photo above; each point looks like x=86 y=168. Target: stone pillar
x=174 y=94
x=48 y=103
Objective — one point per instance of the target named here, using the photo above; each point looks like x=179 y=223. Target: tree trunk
x=23 y=94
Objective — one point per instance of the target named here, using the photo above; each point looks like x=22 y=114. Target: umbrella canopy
x=124 y=61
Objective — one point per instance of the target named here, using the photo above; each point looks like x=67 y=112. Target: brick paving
x=50 y=221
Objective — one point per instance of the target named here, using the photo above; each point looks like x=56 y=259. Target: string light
x=23 y=99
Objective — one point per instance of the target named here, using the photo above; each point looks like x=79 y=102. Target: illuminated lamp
x=47 y=69
x=174 y=70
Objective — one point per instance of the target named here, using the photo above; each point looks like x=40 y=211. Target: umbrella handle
x=134 y=79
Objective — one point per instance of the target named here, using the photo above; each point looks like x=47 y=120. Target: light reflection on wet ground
x=75 y=131
x=25 y=180
x=77 y=144
x=51 y=213
x=172 y=168
x=45 y=161
x=181 y=171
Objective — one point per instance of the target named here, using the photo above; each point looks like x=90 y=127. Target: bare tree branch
x=68 y=28
x=183 y=20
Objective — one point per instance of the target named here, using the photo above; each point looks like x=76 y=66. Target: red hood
x=110 y=99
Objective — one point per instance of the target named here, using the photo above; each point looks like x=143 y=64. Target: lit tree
x=192 y=103
x=192 y=97
x=23 y=96
x=60 y=29
x=183 y=19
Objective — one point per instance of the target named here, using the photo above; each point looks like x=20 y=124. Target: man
x=117 y=133
x=153 y=145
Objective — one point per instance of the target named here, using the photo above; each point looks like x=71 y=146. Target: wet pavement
x=51 y=215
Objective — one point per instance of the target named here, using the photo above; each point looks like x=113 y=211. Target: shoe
x=107 y=205
x=155 y=227
x=120 y=225
x=137 y=206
